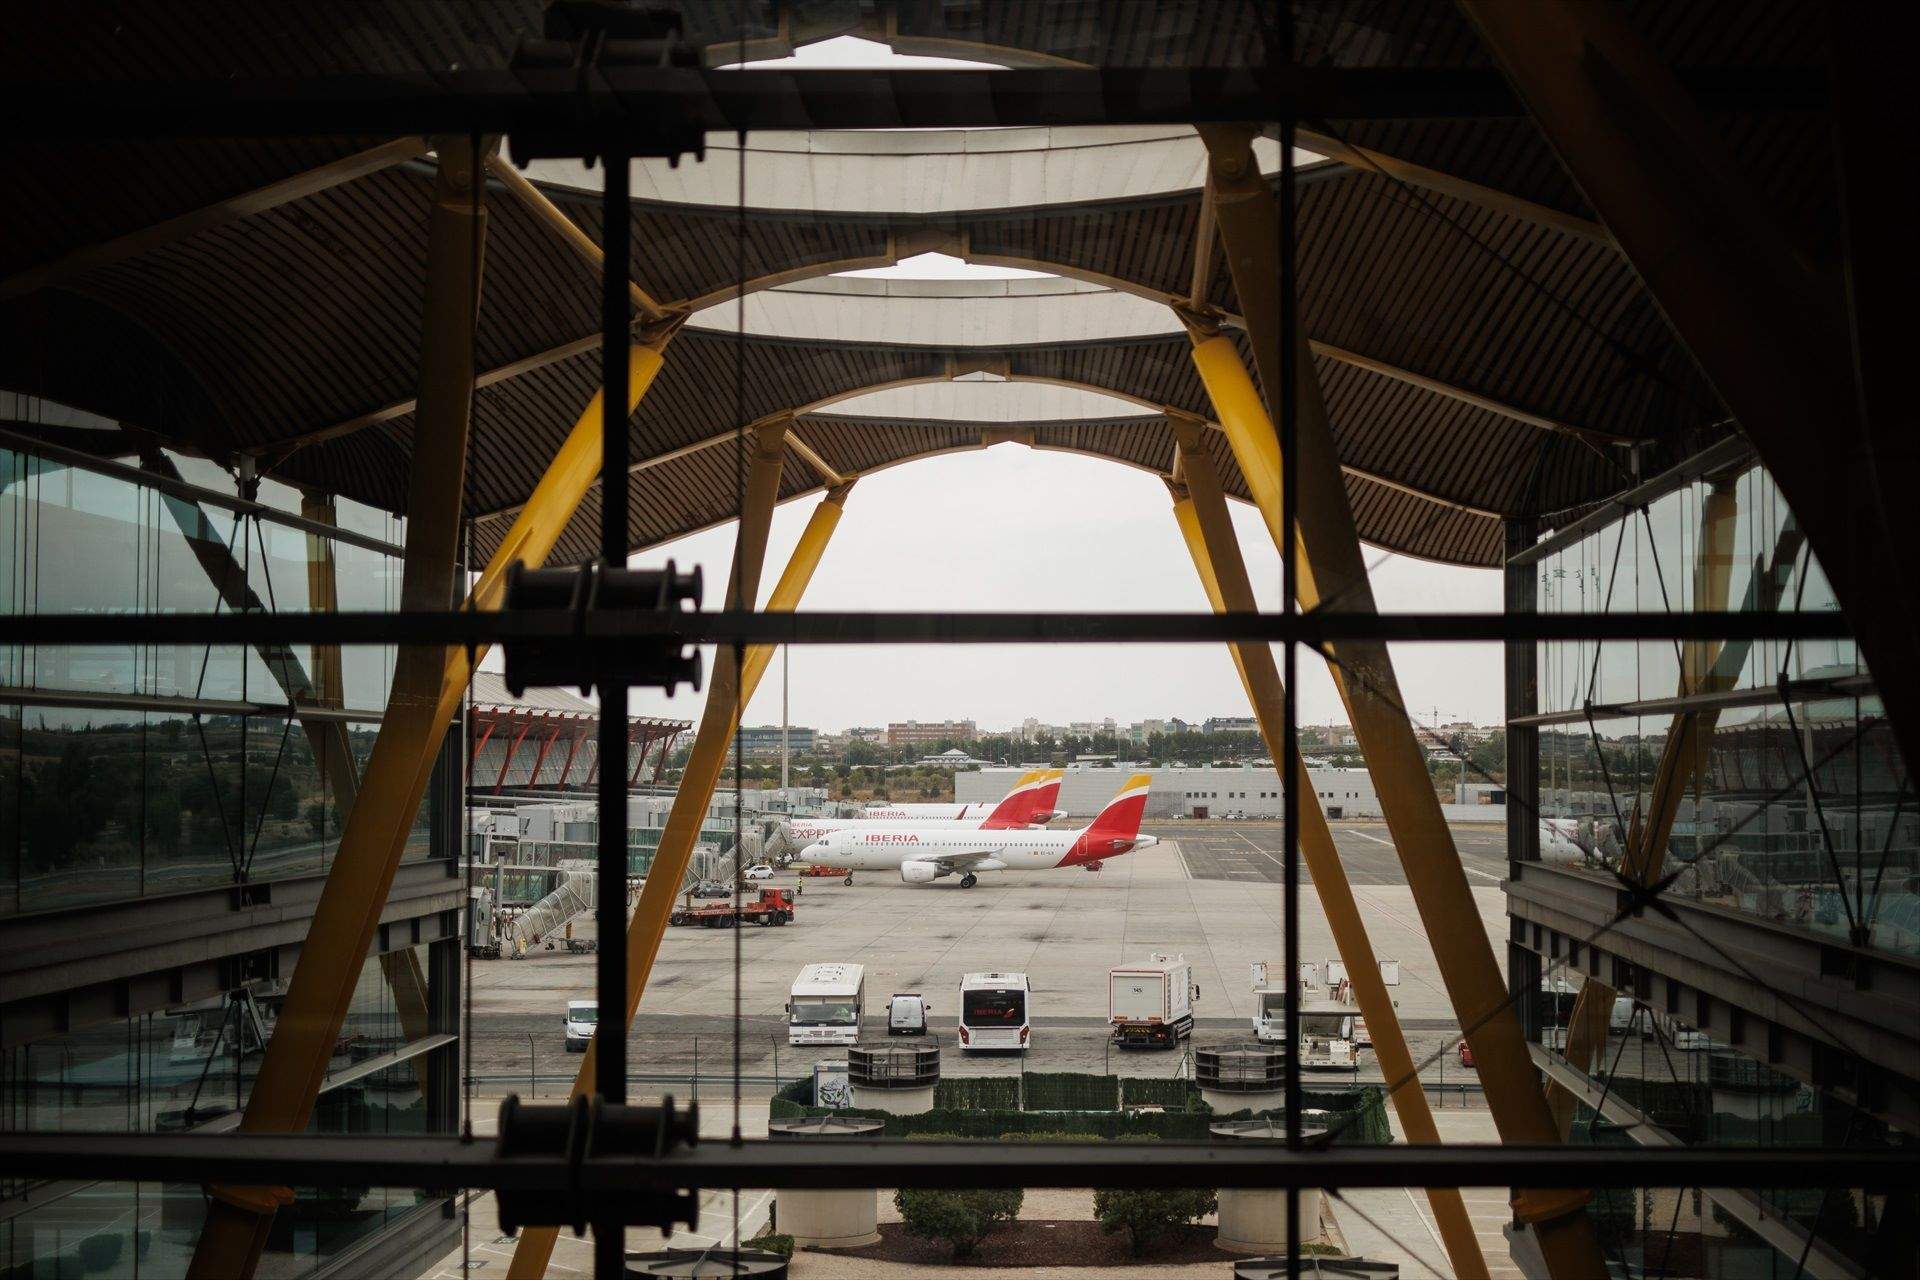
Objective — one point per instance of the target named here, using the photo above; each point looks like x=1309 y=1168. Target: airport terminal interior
x=366 y=910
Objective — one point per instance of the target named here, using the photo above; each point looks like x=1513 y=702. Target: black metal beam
x=825 y=627
x=444 y=1162
x=506 y=102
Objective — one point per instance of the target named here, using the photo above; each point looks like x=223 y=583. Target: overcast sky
x=1019 y=529
x=1011 y=528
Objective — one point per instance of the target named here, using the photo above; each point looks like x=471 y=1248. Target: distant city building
x=1088 y=728
x=764 y=740
x=1230 y=724
x=915 y=733
x=872 y=734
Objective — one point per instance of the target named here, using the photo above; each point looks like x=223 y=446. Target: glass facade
x=1794 y=812
x=1798 y=813
x=141 y=770
x=1702 y=1093
x=144 y=769
x=191 y=1068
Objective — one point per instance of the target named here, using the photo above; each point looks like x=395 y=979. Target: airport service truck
x=1151 y=1004
x=1330 y=1026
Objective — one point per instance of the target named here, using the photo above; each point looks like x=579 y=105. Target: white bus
x=827 y=1004
x=995 y=1011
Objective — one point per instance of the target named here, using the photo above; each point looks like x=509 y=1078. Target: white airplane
x=1040 y=784
x=925 y=852
x=1582 y=838
x=1030 y=802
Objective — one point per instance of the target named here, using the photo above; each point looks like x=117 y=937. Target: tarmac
x=1211 y=892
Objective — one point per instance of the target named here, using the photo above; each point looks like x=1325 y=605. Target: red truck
x=771 y=907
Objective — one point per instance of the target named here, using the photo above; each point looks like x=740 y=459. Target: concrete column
x=835 y=1219
x=1255 y=1220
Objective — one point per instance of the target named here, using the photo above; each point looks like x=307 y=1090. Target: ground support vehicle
x=1150 y=1005
x=814 y=871
x=770 y=907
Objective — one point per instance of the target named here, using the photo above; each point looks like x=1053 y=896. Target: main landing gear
x=969 y=880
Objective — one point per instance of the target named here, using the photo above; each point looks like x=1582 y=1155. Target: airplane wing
x=979 y=860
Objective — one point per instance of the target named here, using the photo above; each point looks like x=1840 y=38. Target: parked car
x=712 y=889
x=758 y=871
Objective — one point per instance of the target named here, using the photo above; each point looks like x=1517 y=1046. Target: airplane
x=1577 y=838
x=924 y=852
x=1030 y=802
x=973 y=809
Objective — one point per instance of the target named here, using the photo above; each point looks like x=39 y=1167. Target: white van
x=907 y=1014
x=995 y=1012
x=1625 y=1017
x=582 y=1016
x=826 y=1004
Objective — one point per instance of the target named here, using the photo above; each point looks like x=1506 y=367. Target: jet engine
x=919 y=872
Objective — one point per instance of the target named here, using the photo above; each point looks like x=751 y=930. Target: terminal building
x=306 y=317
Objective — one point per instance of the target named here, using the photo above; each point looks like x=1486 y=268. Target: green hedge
x=977 y=1093
x=1070 y=1091
x=1359 y=1114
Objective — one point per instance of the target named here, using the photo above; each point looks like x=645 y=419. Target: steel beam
x=441 y=1161
x=730 y=689
x=245 y=205
x=703 y=100
x=475 y=625
x=1329 y=573
x=1200 y=509
x=335 y=754
x=1417 y=175
x=566 y=228
x=1769 y=331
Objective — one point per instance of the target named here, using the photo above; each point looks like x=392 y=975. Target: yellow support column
x=726 y=701
x=1331 y=572
x=1200 y=508
x=337 y=941
x=376 y=831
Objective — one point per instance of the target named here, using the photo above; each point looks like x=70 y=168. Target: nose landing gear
x=968 y=880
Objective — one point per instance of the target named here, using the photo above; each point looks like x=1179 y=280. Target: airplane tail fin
x=1120 y=820
x=1034 y=793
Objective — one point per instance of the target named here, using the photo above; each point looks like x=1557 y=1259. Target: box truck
x=1151 y=1004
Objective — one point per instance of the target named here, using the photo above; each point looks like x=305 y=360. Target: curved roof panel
x=919 y=172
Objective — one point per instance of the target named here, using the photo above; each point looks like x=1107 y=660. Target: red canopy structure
x=545 y=740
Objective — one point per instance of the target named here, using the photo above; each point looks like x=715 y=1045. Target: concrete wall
x=1251 y=790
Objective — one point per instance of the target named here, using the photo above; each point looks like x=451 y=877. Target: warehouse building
x=1252 y=791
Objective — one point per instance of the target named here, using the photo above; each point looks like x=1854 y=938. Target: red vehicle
x=1466 y=1054
x=771 y=907
x=832 y=873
